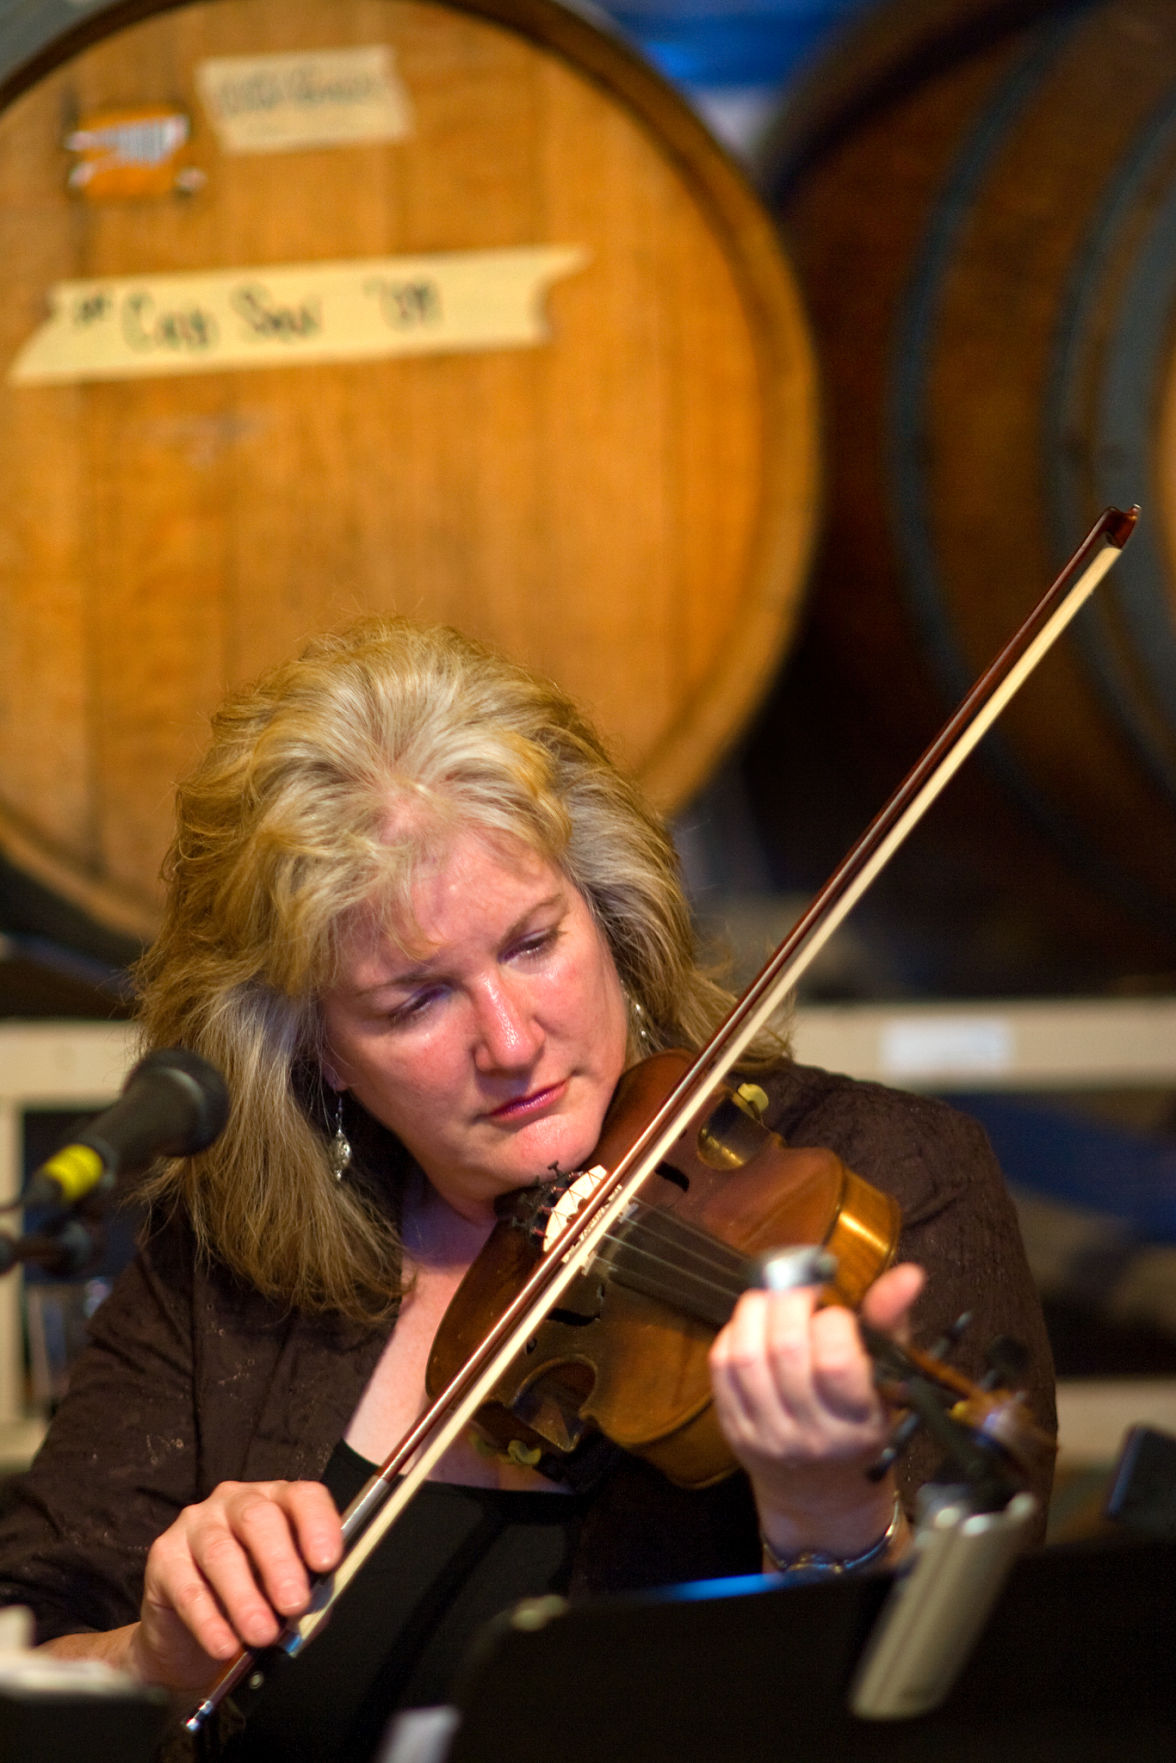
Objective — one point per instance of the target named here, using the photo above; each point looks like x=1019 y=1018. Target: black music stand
x=38 y=1725
x=1076 y=1665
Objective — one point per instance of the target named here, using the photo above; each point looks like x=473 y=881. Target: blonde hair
x=283 y=839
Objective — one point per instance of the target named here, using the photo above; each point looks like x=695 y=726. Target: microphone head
x=198 y=1104
x=173 y=1104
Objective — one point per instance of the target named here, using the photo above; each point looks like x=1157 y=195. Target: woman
x=422 y=925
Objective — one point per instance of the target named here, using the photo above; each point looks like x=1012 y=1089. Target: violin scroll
x=989 y=1437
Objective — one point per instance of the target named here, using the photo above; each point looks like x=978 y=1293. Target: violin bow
x=377 y=1506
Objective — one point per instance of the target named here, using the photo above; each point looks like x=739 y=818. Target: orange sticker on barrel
x=132 y=152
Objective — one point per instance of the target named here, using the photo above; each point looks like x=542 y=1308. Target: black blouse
x=455 y=1558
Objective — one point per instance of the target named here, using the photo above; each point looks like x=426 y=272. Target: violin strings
x=649 y=1231
x=666 y=1257
x=691 y=1238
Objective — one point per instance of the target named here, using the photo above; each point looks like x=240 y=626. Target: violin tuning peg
x=900 y=1438
x=1007 y=1360
x=951 y=1335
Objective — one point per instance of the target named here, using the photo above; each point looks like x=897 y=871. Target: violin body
x=624 y=1354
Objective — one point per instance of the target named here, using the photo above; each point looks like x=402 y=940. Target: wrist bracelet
x=816 y=1564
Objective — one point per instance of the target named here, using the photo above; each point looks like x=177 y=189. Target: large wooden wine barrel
x=316 y=307
x=980 y=200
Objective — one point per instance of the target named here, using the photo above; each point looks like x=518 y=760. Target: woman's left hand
x=795 y=1397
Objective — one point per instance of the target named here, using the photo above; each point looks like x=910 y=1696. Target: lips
x=528 y=1106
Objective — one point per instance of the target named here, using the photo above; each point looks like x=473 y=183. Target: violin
x=620 y=1244
x=623 y=1356
x=624 y=1353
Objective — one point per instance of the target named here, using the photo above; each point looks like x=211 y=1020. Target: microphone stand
x=64 y=1247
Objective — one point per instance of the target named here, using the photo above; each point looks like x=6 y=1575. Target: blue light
x=740 y=1585
x=714 y=46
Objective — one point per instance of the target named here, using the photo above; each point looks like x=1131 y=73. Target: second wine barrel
x=980 y=199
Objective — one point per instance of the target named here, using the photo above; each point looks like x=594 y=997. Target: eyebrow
x=428 y=969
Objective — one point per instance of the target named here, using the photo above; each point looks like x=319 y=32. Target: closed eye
x=414 y=1007
x=537 y=943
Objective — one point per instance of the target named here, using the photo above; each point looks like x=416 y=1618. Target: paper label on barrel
x=321 y=98
x=129 y=327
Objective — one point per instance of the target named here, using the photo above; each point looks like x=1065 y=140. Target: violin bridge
x=545 y=1209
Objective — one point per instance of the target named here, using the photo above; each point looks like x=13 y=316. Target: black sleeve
x=119 y=1459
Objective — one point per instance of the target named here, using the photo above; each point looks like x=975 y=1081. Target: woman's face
x=492 y=1048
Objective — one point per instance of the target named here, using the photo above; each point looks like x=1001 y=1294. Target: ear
x=333 y=1080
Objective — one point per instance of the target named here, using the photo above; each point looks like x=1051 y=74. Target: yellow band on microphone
x=76 y=1169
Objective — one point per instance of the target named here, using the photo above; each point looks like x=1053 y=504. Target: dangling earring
x=637 y=1018
x=340 y=1150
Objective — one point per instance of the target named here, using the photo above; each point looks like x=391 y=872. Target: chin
x=537 y=1167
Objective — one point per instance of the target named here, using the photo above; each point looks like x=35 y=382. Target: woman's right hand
x=229 y=1573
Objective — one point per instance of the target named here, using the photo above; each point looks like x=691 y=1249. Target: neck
x=442 y=1231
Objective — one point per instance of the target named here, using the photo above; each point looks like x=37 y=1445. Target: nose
x=507 y=1035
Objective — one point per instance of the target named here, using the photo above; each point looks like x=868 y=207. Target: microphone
x=172 y=1104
